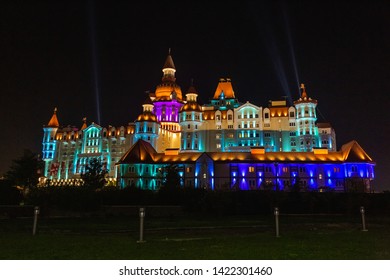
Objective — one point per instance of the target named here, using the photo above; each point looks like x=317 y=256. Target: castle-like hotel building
x=225 y=144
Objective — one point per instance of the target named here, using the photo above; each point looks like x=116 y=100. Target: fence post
x=362 y=211
x=36 y=213
x=141 y=225
x=276 y=213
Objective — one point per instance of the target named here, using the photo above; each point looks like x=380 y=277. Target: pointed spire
x=169 y=61
x=303 y=94
x=192 y=89
x=84 y=126
x=54 y=121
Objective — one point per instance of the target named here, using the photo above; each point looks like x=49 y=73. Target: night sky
x=66 y=53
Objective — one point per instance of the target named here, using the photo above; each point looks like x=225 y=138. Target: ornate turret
x=168 y=86
x=147 y=114
x=49 y=143
x=146 y=125
x=191 y=122
x=306 y=121
x=192 y=104
x=304 y=97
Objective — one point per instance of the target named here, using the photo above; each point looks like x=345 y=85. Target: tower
x=307 y=131
x=192 y=137
x=168 y=98
x=146 y=125
x=49 y=145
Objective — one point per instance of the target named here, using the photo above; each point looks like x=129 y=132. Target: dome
x=147 y=117
x=191 y=106
x=164 y=91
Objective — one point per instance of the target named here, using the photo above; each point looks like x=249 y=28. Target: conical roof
x=169 y=62
x=84 y=126
x=54 y=121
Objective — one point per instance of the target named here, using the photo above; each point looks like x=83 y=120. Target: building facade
x=225 y=144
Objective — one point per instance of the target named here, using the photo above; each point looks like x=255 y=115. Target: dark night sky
x=51 y=52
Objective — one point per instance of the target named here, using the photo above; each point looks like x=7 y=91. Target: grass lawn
x=244 y=237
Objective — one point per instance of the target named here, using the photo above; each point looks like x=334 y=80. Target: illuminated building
x=225 y=144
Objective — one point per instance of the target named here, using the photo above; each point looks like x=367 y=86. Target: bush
x=9 y=195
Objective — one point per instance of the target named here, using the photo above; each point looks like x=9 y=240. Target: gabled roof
x=141 y=152
x=353 y=152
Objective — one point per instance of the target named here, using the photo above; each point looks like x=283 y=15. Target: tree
x=94 y=176
x=172 y=178
x=26 y=170
x=297 y=185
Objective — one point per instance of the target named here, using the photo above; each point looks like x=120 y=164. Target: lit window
x=251 y=169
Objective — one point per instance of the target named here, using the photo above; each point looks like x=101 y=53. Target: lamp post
x=276 y=213
x=141 y=225
x=362 y=211
x=36 y=213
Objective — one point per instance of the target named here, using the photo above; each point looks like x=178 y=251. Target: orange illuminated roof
x=54 y=121
x=225 y=86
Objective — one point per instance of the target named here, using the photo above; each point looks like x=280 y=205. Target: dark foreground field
x=229 y=237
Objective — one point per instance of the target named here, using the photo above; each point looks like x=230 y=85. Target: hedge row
x=210 y=202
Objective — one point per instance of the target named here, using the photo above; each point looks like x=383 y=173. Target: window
x=239 y=116
x=266 y=115
x=257 y=115
x=267 y=134
x=292 y=114
x=230 y=126
x=251 y=169
x=131 y=169
x=218 y=145
x=219 y=126
x=189 y=126
x=230 y=117
x=189 y=169
x=285 y=169
x=196 y=126
x=218 y=117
